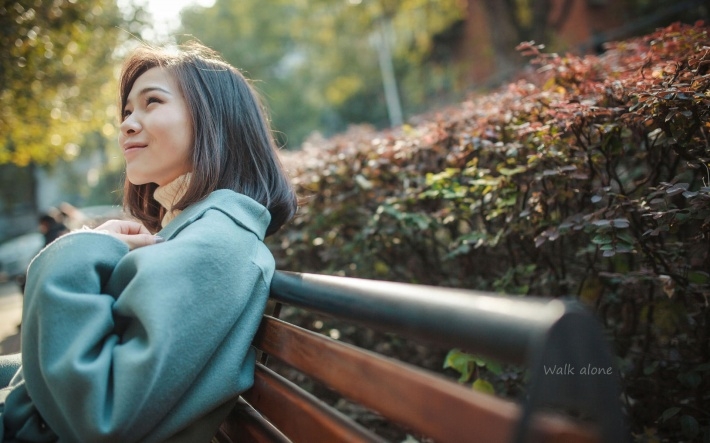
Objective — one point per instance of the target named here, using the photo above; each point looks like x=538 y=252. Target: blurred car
x=17 y=253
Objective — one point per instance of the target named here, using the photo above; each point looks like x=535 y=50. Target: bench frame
x=540 y=333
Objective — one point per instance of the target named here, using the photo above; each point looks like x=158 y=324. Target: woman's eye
x=126 y=113
x=150 y=100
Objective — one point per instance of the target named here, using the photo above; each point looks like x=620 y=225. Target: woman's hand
x=134 y=234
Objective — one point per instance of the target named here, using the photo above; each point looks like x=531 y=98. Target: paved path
x=10 y=316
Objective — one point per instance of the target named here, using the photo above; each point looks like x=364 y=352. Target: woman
x=129 y=336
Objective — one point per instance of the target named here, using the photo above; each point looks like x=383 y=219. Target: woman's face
x=156 y=133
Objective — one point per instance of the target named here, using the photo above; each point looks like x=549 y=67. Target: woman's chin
x=137 y=181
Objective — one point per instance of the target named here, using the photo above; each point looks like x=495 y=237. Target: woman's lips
x=135 y=148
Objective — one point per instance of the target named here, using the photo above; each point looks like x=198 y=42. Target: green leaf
x=491 y=365
x=625 y=236
x=668 y=413
x=509 y=172
x=601 y=224
x=650 y=369
x=482 y=385
x=690 y=379
x=689 y=426
x=677 y=189
x=602 y=239
x=461 y=362
x=698 y=277
x=452 y=358
x=495 y=367
x=620 y=223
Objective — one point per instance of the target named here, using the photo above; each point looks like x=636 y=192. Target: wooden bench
x=539 y=333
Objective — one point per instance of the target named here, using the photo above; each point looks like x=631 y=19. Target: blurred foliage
x=57 y=77
x=544 y=22
x=589 y=177
x=16 y=188
x=317 y=63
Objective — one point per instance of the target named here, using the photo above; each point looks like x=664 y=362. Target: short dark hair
x=233 y=146
x=46 y=219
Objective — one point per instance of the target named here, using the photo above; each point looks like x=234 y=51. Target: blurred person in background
x=51 y=228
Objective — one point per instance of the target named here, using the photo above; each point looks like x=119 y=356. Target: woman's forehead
x=156 y=75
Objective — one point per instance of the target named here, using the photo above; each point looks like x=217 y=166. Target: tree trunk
x=505 y=36
x=540 y=21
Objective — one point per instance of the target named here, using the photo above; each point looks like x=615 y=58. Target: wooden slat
x=415 y=398
x=299 y=415
x=245 y=424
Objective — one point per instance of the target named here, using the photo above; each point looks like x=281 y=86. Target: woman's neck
x=168 y=195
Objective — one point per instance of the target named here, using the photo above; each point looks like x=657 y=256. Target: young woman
x=129 y=336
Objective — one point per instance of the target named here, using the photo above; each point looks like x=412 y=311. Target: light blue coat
x=149 y=345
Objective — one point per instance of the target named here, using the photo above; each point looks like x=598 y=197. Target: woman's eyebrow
x=153 y=88
x=147 y=90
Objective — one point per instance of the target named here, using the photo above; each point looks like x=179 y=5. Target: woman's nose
x=130 y=125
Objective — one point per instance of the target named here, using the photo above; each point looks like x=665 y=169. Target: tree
x=315 y=61
x=251 y=38
x=517 y=21
x=56 y=76
x=541 y=21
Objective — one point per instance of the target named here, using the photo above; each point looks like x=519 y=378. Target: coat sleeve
x=124 y=339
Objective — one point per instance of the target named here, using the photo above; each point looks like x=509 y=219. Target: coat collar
x=243 y=210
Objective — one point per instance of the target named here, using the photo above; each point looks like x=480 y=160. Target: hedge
x=587 y=177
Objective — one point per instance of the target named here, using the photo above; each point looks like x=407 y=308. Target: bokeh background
x=322 y=65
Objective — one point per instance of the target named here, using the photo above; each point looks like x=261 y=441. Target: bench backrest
x=539 y=333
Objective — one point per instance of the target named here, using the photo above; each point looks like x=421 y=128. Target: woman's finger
x=132 y=233
x=127 y=227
